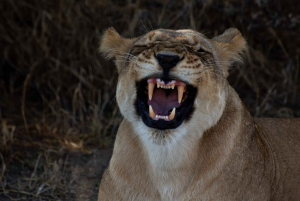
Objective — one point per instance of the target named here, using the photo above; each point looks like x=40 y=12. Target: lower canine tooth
x=151 y=112
x=172 y=115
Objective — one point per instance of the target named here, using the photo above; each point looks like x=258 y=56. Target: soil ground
x=83 y=170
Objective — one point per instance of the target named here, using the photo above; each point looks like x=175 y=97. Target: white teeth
x=172 y=115
x=150 y=90
x=156 y=117
x=180 y=90
x=151 y=112
x=161 y=117
x=160 y=85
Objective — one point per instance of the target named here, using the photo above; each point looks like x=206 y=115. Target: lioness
x=186 y=135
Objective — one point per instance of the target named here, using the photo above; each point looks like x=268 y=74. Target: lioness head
x=171 y=78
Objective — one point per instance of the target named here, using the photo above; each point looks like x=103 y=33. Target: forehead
x=183 y=36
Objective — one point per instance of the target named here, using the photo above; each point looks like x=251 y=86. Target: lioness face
x=170 y=78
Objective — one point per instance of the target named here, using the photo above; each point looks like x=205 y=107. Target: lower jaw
x=159 y=124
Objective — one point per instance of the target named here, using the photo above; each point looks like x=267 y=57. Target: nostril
x=167 y=61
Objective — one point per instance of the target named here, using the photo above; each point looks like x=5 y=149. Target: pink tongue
x=161 y=103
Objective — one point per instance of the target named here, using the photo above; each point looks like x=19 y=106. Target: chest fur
x=170 y=159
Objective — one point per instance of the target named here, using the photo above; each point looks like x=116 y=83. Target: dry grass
x=57 y=96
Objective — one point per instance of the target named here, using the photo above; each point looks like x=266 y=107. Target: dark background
x=58 y=110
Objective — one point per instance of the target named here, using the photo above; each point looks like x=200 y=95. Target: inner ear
x=112 y=44
x=231 y=47
x=231 y=42
x=228 y=36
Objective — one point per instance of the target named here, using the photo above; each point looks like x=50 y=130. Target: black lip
x=183 y=113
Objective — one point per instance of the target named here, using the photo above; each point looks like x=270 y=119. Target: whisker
x=150 y=24
x=145 y=28
x=128 y=58
x=128 y=54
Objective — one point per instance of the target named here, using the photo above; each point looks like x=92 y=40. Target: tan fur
x=220 y=153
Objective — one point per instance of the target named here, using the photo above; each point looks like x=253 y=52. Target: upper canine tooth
x=180 y=90
x=172 y=115
x=151 y=112
x=151 y=86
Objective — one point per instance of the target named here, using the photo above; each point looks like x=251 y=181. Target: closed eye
x=137 y=50
x=201 y=50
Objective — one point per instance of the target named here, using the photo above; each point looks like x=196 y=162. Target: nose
x=167 y=61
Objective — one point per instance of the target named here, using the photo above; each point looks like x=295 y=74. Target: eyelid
x=204 y=50
x=201 y=50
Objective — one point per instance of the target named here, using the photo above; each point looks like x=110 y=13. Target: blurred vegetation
x=57 y=95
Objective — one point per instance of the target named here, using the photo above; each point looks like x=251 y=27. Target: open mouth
x=164 y=104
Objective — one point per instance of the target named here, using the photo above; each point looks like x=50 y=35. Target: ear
x=231 y=47
x=112 y=45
